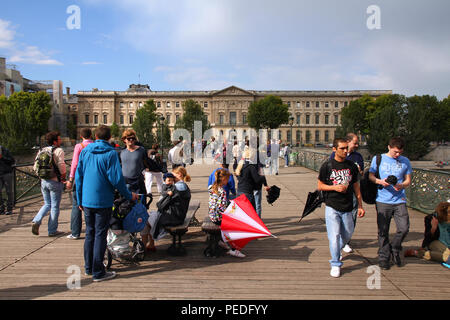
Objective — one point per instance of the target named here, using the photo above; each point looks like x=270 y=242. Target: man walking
x=6 y=180
x=97 y=176
x=52 y=184
x=75 y=217
x=338 y=178
x=356 y=158
x=395 y=175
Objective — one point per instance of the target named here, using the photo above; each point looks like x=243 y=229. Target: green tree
x=144 y=122
x=385 y=122
x=115 y=130
x=268 y=113
x=192 y=111
x=24 y=116
x=440 y=118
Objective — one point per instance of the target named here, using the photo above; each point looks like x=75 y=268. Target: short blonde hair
x=183 y=173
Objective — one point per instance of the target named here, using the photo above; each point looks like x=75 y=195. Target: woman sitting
x=218 y=203
x=172 y=207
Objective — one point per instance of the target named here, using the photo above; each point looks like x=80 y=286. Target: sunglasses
x=131 y=138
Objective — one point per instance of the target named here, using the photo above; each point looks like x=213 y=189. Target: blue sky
x=253 y=44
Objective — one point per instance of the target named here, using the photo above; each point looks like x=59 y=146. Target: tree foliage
x=268 y=113
x=192 y=111
x=418 y=119
x=144 y=122
x=24 y=117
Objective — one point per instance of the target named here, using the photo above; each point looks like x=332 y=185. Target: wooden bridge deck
x=292 y=266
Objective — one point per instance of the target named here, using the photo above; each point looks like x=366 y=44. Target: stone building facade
x=314 y=114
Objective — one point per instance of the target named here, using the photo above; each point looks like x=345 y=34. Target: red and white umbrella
x=241 y=224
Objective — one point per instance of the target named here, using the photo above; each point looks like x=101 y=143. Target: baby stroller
x=122 y=245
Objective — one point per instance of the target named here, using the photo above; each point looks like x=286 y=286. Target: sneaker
x=87 y=273
x=55 y=234
x=335 y=272
x=224 y=245
x=396 y=258
x=35 y=229
x=385 y=265
x=446 y=265
x=347 y=249
x=72 y=237
x=8 y=213
x=236 y=253
x=106 y=276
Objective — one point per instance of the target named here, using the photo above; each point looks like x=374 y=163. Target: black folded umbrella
x=273 y=194
x=313 y=202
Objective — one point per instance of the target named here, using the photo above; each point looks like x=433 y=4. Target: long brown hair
x=182 y=172
x=219 y=175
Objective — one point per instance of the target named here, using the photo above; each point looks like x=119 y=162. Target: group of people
x=98 y=169
x=339 y=180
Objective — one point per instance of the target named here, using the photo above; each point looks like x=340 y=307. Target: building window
x=86 y=118
x=326 y=104
x=289 y=104
x=158 y=104
x=141 y=104
x=336 y=119
x=122 y=105
x=121 y=119
x=131 y=104
x=168 y=118
x=317 y=104
x=308 y=136
x=177 y=104
x=131 y=119
x=168 y=104
x=95 y=118
x=345 y=103
x=288 y=136
x=205 y=104
x=307 y=104
x=336 y=104
x=105 y=119
x=317 y=137
x=221 y=119
x=327 y=119
x=317 y=120
x=244 y=118
x=298 y=104
x=327 y=136
x=307 y=119
x=298 y=118
x=298 y=135
x=233 y=118
x=177 y=117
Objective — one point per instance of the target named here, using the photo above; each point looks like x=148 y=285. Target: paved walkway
x=292 y=266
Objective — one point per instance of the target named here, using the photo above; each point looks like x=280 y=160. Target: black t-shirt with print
x=341 y=173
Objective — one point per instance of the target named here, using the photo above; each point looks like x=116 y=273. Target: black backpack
x=369 y=190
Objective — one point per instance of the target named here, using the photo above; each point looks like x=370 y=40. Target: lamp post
x=162 y=119
x=291 y=123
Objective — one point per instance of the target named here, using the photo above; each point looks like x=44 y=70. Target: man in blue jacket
x=98 y=175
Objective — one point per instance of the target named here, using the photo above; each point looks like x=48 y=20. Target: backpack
x=369 y=190
x=44 y=165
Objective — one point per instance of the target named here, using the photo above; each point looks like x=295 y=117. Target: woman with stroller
x=172 y=208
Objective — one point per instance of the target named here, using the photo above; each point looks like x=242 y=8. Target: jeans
x=354 y=213
x=52 y=192
x=97 y=224
x=75 y=217
x=257 y=194
x=286 y=160
x=250 y=197
x=6 y=180
x=340 y=229
x=385 y=212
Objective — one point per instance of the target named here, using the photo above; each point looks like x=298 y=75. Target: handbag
x=137 y=218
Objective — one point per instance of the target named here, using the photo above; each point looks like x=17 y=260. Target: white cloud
x=20 y=53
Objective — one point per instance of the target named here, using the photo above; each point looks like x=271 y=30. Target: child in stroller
x=124 y=246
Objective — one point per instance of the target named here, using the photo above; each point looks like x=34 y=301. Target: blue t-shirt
x=389 y=166
x=354 y=157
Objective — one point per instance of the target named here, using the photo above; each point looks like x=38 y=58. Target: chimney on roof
x=68 y=91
